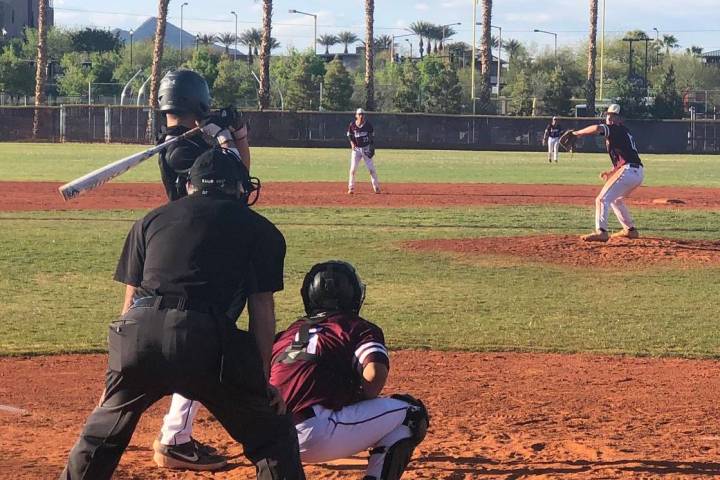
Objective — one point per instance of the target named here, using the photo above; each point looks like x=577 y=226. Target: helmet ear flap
x=332 y=286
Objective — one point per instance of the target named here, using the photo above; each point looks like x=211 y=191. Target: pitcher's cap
x=613 y=108
x=359 y=111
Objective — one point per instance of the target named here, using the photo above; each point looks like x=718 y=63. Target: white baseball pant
x=618 y=186
x=553 y=144
x=356 y=155
x=177 y=424
x=331 y=435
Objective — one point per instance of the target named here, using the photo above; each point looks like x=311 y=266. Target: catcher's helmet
x=332 y=285
x=184 y=91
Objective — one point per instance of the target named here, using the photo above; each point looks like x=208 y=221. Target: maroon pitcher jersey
x=340 y=346
x=620 y=145
x=361 y=136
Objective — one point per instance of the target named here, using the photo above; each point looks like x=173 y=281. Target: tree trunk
x=369 y=55
x=592 y=53
x=155 y=72
x=264 y=91
x=485 y=57
x=346 y=49
x=421 y=48
x=41 y=65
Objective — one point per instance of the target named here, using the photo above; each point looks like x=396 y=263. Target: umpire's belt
x=173 y=302
x=305 y=414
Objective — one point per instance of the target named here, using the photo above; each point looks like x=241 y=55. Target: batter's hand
x=276 y=400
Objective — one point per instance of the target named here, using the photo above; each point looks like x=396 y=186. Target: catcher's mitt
x=567 y=140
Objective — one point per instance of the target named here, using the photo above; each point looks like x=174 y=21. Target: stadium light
x=292 y=10
x=549 y=33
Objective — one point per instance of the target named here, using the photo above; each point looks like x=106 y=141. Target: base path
x=18 y=196
x=499 y=416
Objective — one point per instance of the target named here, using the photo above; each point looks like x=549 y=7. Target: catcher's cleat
x=599 y=236
x=187 y=456
x=631 y=234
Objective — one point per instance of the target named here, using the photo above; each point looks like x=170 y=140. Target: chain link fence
x=93 y=123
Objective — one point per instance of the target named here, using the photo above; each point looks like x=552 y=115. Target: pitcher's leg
x=370 y=164
x=177 y=423
x=354 y=159
x=556 y=148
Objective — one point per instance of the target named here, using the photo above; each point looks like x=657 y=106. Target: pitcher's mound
x=570 y=250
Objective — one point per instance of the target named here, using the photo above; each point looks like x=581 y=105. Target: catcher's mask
x=219 y=172
x=184 y=91
x=332 y=285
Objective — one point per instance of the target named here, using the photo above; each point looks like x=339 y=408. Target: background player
x=182 y=264
x=330 y=368
x=361 y=134
x=551 y=138
x=626 y=175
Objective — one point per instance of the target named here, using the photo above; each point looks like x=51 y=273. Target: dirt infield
x=25 y=196
x=506 y=416
x=569 y=250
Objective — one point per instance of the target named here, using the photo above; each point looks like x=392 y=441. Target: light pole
x=602 y=50
x=657 y=46
x=549 y=33
x=444 y=28
x=392 y=45
x=197 y=42
x=131 y=46
x=472 y=60
x=181 y=31
x=499 y=65
x=315 y=24
x=410 y=43
x=236 y=37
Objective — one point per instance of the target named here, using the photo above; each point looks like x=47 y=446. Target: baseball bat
x=98 y=177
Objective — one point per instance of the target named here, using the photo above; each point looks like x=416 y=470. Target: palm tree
x=328 y=41
x=670 y=42
x=226 y=39
x=251 y=38
x=265 y=48
x=369 y=55
x=512 y=47
x=446 y=33
x=592 y=53
x=206 y=39
x=694 y=50
x=40 y=65
x=383 y=42
x=158 y=49
x=485 y=55
x=347 y=38
x=421 y=29
x=273 y=44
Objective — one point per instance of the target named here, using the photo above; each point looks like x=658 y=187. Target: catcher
x=361 y=134
x=626 y=175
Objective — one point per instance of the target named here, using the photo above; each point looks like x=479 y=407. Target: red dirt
x=570 y=250
x=25 y=196
x=506 y=416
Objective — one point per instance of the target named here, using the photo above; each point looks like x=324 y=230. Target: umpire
x=182 y=263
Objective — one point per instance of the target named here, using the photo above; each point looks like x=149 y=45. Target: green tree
x=407 y=96
x=205 y=63
x=17 y=77
x=557 y=94
x=440 y=86
x=327 y=41
x=347 y=38
x=631 y=96
x=298 y=75
x=234 y=84
x=668 y=102
x=338 y=87
x=79 y=72
x=520 y=94
x=95 y=40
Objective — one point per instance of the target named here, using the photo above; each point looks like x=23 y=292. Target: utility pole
x=181 y=31
x=236 y=37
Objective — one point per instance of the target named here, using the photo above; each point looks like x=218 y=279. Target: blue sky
x=693 y=22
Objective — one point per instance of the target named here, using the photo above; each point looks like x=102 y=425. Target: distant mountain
x=146 y=31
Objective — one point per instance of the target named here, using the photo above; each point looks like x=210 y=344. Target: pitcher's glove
x=567 y=140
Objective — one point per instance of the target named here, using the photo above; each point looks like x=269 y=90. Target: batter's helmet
x=332 y=285
x=184 y=91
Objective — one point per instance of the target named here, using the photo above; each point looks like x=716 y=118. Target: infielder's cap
x=214 y=168
x=359 y=111
x=554 y=118
x=613 y=108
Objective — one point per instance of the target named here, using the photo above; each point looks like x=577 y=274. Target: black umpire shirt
x=203 y=248
x=178 y=158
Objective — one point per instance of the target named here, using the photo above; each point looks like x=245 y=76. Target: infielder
x=182 y=265
x=361 y=135
x=626 y=175
x=551 y=138
x=331 y=366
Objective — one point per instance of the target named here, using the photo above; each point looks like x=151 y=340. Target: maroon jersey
x=361 y=136
x=620 y=145
x=329 y=369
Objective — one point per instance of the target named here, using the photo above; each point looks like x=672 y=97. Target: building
x=15 y=15
x=712 y=57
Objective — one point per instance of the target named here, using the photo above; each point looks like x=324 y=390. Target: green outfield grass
x=63 y=162
x=58 y=295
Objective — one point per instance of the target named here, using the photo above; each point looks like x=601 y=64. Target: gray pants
x=156 y=352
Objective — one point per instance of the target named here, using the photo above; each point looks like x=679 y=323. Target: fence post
x=63 y=119
x=108 y=124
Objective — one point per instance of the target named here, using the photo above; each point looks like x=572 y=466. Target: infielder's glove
x=567 y=140
x=371 y=151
